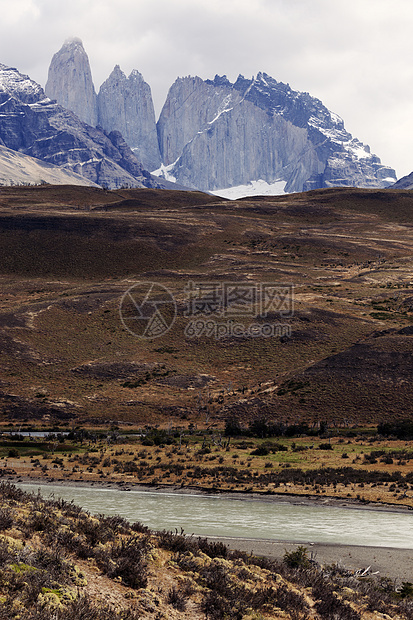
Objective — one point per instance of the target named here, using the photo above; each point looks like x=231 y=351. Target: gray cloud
x=354 y=55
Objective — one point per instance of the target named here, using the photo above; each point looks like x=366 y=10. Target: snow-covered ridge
x=20 y=86
x=66 y=149
x=315 y=114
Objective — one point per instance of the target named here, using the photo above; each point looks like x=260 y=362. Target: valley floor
x=364 y=469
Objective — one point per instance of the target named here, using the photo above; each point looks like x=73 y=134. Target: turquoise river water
x=214 y=515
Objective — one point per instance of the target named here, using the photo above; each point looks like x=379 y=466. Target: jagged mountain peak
x=20 y=86
x=73 y=42
x=117 y=71
x=242 y=83
x=125 y=104
x=211 y=134
x=118 y=74
x=219 y=80
x=214 y=134
x=279 y=98
x=72 y=46
x=189 y=79
x=136 y=76
x=70 y=81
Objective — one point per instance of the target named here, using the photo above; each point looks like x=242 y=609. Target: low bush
x=6 y=518
x=177 y=599
x=325 y=446
x=297 y=558
x=260 y=451
x=128 y=561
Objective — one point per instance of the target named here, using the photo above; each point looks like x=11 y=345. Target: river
x=214 y=515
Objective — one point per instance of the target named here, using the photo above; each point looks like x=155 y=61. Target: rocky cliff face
x=70 y=81
x=125 y=105
x=215 y=134
x=34 y=125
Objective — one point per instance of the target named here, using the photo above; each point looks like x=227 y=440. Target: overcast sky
x=354 y=55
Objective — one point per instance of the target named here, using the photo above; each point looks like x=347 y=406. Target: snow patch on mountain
x=165 y=172
x=254 y=188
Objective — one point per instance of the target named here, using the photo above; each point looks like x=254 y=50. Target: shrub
x=292 y=602
x=332 y=607
x=217 y=607
x=328 y=606
x=406 y=589
x=261 y=451
x=402 y=429
x=297 y=558
x=128 y=560
x=40 y=521
x=232 y=428
x=325 y=446
x=6 y=518
x=177 y=599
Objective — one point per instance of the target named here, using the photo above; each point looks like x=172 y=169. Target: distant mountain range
x=32 y=124
x=211 y=134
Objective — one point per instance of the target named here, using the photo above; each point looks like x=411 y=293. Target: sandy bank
x=388 y=562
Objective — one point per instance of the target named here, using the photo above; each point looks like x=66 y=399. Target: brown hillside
x=69 y=254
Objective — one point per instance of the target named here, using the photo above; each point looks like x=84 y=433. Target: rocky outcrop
x=219 y=139
x=34 y=125
x=215 y=134
x=125 y=105
x=70 y=81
